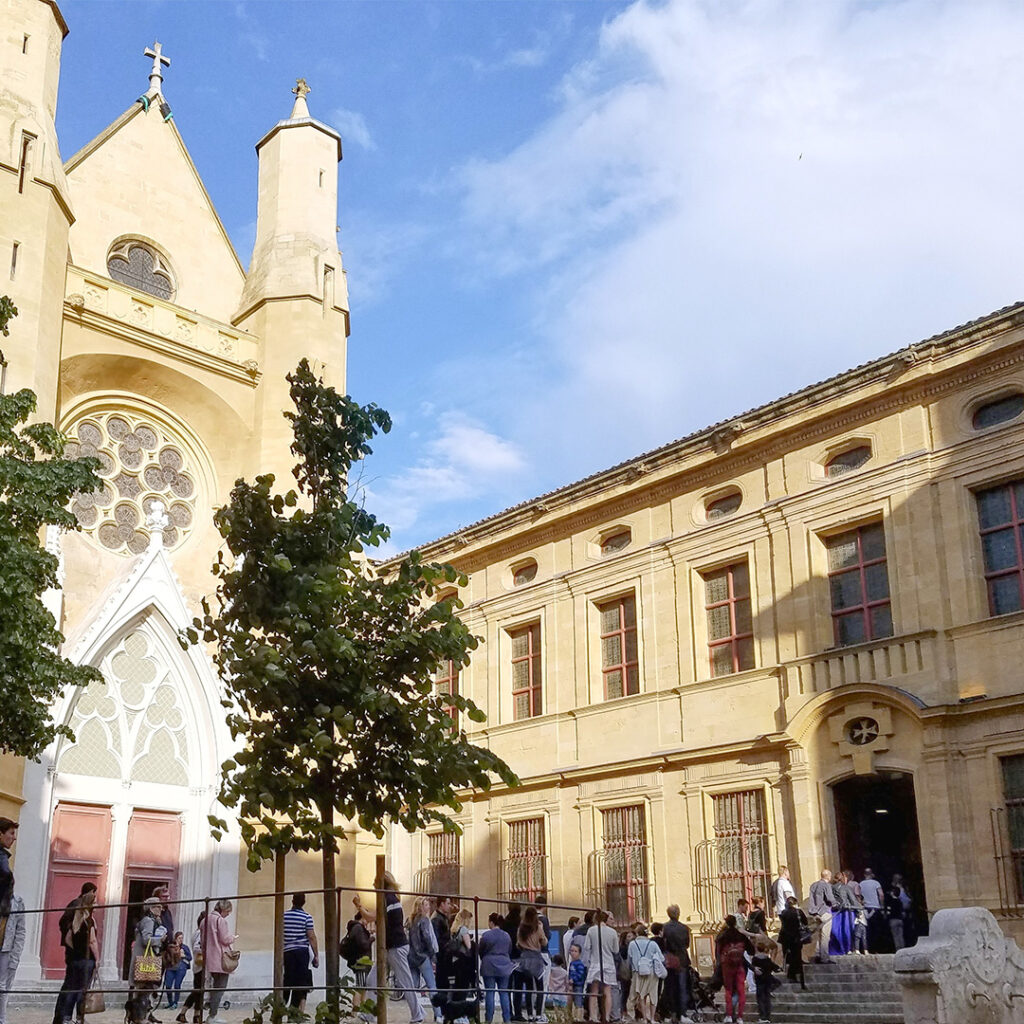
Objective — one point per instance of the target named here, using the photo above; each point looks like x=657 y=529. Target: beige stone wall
x=778 y=726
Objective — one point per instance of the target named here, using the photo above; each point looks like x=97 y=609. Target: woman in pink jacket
x=217 y=938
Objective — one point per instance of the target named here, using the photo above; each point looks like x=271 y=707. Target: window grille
x=443 y=863
x=1013 y=797
x=139 y=266
x=859 y=585
x=741 y=839
x=1001 y=522
x=526 y=680
x=619 y=664
x=729 y=618
x=626 y=878
x=722 y=507
x=527 y=860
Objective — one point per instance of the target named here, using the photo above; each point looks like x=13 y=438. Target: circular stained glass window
x=140 y=463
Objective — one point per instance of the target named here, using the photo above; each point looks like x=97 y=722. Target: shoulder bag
x=229 y=960
x=148 y=967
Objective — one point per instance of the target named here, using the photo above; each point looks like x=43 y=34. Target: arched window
x=848 y=461
x=725 y=505
x=1002 y=410
x=138 y=265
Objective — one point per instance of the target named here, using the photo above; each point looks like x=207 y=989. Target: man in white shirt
x=782 y=889
x=10 y=952
x=601 y=947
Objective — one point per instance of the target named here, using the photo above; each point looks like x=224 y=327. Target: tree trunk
x=382 y=956
x=279 y=887
x=330 y=915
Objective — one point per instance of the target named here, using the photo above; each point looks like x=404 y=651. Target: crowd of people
x=440 y=959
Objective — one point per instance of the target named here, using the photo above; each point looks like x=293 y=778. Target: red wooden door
x=151 y=860
x=79 y=852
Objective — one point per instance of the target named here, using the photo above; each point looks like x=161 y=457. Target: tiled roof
x=760 y=412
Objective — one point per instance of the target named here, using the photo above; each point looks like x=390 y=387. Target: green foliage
x=328 y=663
x=36 y=486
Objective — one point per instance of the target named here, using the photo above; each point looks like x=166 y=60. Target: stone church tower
x=153 y=348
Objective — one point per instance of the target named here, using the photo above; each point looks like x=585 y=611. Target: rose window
x=139 y=465
x=862 y=731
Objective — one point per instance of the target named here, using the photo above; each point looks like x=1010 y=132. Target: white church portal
x=124 y=805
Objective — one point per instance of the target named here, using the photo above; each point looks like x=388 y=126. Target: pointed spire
x=301 y=90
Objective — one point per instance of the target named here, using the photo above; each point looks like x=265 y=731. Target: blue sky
x=575 y=231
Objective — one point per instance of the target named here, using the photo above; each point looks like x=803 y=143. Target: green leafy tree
x=328 y=663
x=36 y=486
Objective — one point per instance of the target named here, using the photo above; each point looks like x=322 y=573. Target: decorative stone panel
x=966 y=971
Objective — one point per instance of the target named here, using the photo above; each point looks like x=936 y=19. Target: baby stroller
x=702 y=993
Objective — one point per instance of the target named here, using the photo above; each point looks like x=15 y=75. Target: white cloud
x=352 y=126
x=461 y=462
x=736 y=199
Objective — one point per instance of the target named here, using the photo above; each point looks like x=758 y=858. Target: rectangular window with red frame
x=729 y=618
x=858 y=579
x=527 y=860
x=626 y=877
x=446 y=683
x=741 y=844
x=618 y=647
x=526 y=681
x=443 y=862
x=1001 y=522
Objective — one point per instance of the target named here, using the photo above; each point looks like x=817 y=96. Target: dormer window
x=848 y=461
x=523 y=573
x=137 y=265
x=1002 y=410
x=723 y=506
x=616 y=540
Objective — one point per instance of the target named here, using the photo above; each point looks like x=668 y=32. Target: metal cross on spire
x=156 y=76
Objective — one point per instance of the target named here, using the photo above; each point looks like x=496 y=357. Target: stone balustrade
x=966 y=971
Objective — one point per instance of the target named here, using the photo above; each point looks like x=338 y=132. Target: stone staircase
x=853 y=990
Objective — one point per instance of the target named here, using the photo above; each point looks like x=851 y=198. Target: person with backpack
x=423 y=948
x=764 y=967
x=730 y=948
x=356 y=949
x=648 y=965
x=530 y=940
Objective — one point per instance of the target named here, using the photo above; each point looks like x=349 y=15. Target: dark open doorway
x=876 y=821
x=139 y=889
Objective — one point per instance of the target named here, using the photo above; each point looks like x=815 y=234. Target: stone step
x=861 y=1017
x=811 y=996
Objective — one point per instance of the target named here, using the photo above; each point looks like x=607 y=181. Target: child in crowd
x=558 y=982
x=764 y=967
x=860 y=932
x=577 y=978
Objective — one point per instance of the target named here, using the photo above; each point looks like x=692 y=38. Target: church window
x=1013 y=798
x=526 y=677
x=720 y=508
x=858 y=580
x=130 y=725
x=619 y=662
x=141 y=267
x=616 y=541
x=27 y=144
x=848 y=461
x=1002 y=410
x=139 y=464
x=729 y=619
x=14 y=258
x=1001 y=523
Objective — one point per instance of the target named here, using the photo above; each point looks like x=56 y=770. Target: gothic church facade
x=157 y=351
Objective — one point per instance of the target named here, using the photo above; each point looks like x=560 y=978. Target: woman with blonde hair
x=423 y=948
x=644 y=956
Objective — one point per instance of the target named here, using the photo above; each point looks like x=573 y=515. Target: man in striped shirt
x=299 y=939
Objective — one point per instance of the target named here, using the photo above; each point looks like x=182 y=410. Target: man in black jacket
x=64 y=926
x=677 y=960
